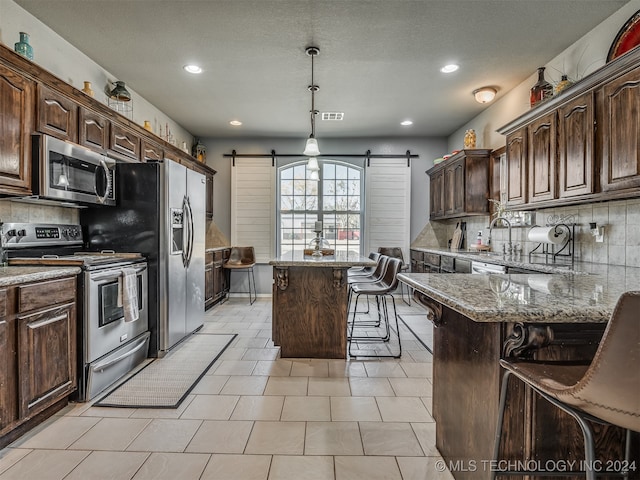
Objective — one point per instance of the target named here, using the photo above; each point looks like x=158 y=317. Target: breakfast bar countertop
x=20 y=275
x=341 y=259
x=529 y=298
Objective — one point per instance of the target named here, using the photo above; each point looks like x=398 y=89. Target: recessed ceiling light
x=235 y=123
x=406 y=123
x=450 y=68
x=193 y=68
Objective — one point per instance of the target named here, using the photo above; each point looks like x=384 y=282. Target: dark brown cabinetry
x=57 y=114
x=209 y=196
x=459 y=186
x=38 y=345
x=417 y=261
x=94 y=130
x=124 y=142
x=16 y=124
x=151 y=151
x=619 y=120
x=216 y=278
x=541 y=159
x=515 y=170
x=431 y=263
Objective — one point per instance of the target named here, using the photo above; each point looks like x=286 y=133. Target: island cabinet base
x=310 y=311
x=466 y=391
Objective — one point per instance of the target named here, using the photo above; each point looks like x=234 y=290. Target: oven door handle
x=128 y=353
x=114 y=274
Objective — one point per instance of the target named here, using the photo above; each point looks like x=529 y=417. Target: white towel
x=128 y=294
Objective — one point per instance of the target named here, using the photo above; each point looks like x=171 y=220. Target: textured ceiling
x=379 y=59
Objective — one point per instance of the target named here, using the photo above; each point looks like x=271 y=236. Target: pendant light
x=311 y=148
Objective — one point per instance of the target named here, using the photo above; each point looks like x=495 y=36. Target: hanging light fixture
x=311 y=148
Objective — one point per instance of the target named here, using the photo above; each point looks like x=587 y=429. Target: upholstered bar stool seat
x=243 y=258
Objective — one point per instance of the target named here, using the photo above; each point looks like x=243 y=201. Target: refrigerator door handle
x=191 y=232
x=186 y=226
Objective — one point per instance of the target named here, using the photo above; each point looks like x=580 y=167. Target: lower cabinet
x=216 y=277
x=37 y=352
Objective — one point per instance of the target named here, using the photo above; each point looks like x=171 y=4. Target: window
x=336 y=200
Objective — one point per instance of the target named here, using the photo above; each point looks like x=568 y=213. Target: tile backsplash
x=11 y=211
x=620 y=219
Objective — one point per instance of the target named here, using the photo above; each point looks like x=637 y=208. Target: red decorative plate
x=627 y=39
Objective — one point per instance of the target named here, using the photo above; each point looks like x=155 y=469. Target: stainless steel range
x=109 y=346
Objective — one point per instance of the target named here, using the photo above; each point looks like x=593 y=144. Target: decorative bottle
x=563 y=84
x=470 y=138
x=23 y=48
x=542 y=90
x=87 y=89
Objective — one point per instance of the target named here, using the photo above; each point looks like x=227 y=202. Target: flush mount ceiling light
x=235 y=123
x=484 y=94
x=192 y=68
x=452 y=67
x=311 y=148
x=406 y=123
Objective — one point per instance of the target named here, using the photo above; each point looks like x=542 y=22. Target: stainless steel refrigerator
x=160 y=213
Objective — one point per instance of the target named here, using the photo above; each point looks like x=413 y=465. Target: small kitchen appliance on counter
x=108 y=346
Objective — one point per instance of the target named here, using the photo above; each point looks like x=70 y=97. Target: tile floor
x=254 y=416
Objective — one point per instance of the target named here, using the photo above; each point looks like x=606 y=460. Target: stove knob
x=11 y=233
x=22 y=233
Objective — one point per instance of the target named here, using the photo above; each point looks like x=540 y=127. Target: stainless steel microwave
x=68 y=172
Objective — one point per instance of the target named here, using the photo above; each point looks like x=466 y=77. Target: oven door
x=105 y=327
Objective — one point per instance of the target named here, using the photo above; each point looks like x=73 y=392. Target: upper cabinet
x=459 y=186
x=125 y=142
x=580 y=146
x=16 y=123
x=57 y=114
x=94 y=130
x=209 y=196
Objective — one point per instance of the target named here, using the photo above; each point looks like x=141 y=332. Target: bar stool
x=375 y=276
x=604 y=392
x=364 y=270
x=381 y=289
x=396 y=252
x=243 y=258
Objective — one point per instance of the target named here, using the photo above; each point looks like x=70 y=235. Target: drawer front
x=208 y=258
x=218 y=255
x=463 y=266
x=46 y=294
x=446 y=263
x=432 y=259
x=417 y=256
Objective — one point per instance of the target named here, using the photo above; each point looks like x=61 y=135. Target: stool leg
x=255 y=292
x=395 y=314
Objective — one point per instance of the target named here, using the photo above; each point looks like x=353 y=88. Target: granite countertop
x=18 y=275
x=537 y=263
x=528 y=298
x=340 y=259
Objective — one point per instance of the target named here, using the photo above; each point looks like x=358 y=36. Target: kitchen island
x=482 y=318
x=310 y=303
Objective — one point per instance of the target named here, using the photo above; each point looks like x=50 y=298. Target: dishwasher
x=483 y=268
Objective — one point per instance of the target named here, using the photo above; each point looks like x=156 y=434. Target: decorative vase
x=563 y=84
x=23 y=48
x=87 y=89
x=147 y=126
x=541 y=91
x=470 y=139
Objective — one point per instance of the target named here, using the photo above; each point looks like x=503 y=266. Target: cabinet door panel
x=124 y=142
x=94 y=131
x=575 y=144
x=436 y=195
x=57 y=115
x=151 y=151
x=516 y=168
x=621 y=132
x=209 y=197
x=208 y=284
x=16 y=125
x=47 y=359
x=8 y=407
x=542 y=159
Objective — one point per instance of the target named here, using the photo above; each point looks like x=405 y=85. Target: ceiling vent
x=332 y=115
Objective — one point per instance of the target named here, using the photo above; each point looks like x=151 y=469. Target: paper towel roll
x=548 y=284
x=553 y=235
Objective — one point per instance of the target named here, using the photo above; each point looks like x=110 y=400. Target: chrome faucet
x=493 y=222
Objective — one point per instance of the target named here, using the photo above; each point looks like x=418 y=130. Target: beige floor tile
x=333 y=438
x=210 y=384
x=111 y=434
x=245 y=385
x=368 y=387
x=108 y=466
x=354 y=409
x=426 y=434
x=106 y=412
x=345 y=368
x=403 y=409
x=421 y=356
x=234 y=367
x=273 y=368
x=387 y=438
x=172 y=466
x=261 y=354
x=411 y=387
x=57 y=435
x=41 y=464
x=416 y=468
x=367 y=468
x=10 y=456
x=164 y=412
x=236 y=467
x=221 y=437
x=258 y=408
x=284 y=438
x=232 y=354
x=418 y=370
x=384 y=369
x=211 y=407
x=165 y=435
x=428 y=402
x=286 y=386
x=306 y=467
x=250 y=342
x=310 y=368
x=331 y=387
x=306 y=409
